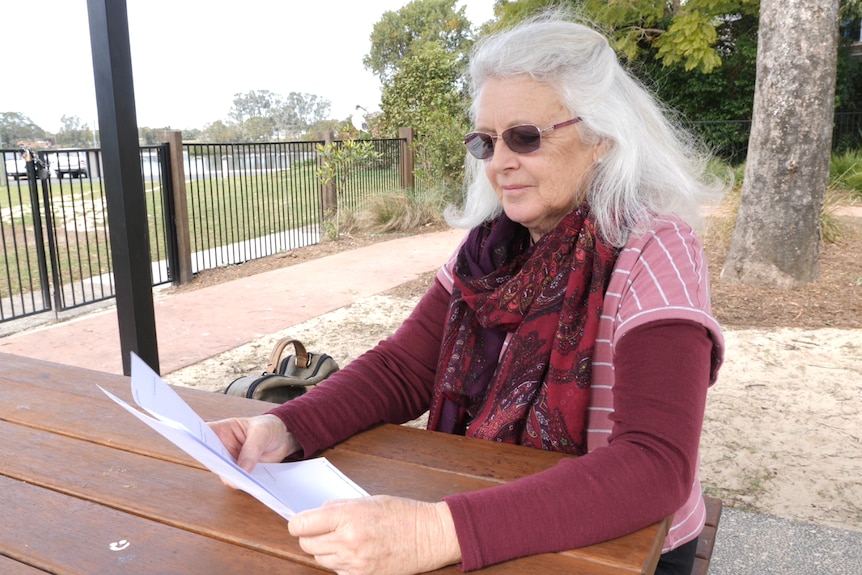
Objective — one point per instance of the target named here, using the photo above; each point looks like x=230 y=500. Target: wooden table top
x=86 y=488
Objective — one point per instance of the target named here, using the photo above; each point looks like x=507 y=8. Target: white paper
x=286 y=488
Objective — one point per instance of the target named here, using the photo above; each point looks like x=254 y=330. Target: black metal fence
x=54 y=231
x=24 y=280
x=381 y=174
x=847 y=132
x=729 y=139
x=245 y=201
x=155 y=173
x=76 y=219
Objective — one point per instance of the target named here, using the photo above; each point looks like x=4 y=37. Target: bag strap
x=303 y=359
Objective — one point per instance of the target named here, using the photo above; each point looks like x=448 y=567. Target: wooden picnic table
x=86 y=488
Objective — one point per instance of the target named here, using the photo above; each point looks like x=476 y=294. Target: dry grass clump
x=395 y=212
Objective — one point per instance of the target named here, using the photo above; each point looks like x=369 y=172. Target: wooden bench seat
x=706 y=540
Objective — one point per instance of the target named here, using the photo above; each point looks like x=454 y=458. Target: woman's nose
x=504 y=157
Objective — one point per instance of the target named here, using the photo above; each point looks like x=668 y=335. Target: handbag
x=285 y=378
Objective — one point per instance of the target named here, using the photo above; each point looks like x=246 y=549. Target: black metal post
x=52 y=247
x=37 y=227
x=170 y=213
x=127 y=208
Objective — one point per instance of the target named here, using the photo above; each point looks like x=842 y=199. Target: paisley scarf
x=548 y=297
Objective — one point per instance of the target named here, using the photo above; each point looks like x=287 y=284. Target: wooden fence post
x=408 y=160
x=183 y=273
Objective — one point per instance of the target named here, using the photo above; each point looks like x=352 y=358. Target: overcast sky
x=189 y=57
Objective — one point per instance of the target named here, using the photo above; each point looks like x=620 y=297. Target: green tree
x=192 y=134
x=419 y=52
x=16 y=127
x=263 y=115
x=850 y=10
x=424 y=94
x=73 y=134
x=508 y=13
x=725 y=93
x=419 y=21
x=254 y=113
x=253 y=104
x=152 y=136
x=220 y=133
x=848 y=92
x=685 y=33
x=680 y=32
x=340 y=128
x=297 y=114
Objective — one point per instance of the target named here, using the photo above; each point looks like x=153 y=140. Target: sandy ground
x=782 y=433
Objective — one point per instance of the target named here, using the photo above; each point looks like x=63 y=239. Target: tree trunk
x=776 y=240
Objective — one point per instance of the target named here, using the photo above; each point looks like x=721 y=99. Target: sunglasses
x=521 y=139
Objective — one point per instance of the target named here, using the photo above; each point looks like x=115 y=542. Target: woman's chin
x=518 y=213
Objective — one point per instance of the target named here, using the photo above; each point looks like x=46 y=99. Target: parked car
x=73 y=164
x=16 y=167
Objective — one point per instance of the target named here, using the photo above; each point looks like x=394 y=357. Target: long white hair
x=651 y=166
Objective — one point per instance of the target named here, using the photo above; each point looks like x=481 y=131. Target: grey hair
x=651 y=166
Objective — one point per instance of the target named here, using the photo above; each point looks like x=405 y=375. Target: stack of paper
x=286 y=488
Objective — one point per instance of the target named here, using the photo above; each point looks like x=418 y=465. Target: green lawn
x=222 y=211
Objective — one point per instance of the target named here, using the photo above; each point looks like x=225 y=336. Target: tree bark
x=776 y=239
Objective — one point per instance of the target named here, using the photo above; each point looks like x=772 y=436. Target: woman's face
x=539 y=188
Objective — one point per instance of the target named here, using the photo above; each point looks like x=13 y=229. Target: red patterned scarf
x=548 y=296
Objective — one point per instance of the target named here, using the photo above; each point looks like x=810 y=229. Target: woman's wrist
x=450 y=549
x=293 y=445
x=283 y=435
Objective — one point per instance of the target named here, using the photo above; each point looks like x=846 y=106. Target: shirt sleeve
x=391 y=383
x=651 y=456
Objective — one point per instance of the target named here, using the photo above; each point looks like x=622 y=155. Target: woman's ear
x=600 y=149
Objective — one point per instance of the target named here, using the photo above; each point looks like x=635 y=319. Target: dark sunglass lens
x=523 y=139
x=481 y=146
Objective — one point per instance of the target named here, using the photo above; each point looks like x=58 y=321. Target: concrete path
x=755 y=544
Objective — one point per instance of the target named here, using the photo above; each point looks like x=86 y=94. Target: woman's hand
x=253 y=439
x=378 y=535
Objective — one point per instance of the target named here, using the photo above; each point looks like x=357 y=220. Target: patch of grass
x=831 y=229
x=719 y=226
x=845 y=187
x=845 y=173
x=396 y=211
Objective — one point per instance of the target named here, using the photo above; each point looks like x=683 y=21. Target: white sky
x=189 y=57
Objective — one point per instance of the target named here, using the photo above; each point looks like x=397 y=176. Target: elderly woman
x=574 y=317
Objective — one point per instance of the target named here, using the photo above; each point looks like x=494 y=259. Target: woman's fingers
x=315 y=521
x=377 y=535
x=250 y=440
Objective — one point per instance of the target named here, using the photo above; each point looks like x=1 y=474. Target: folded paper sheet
x=286 y=488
